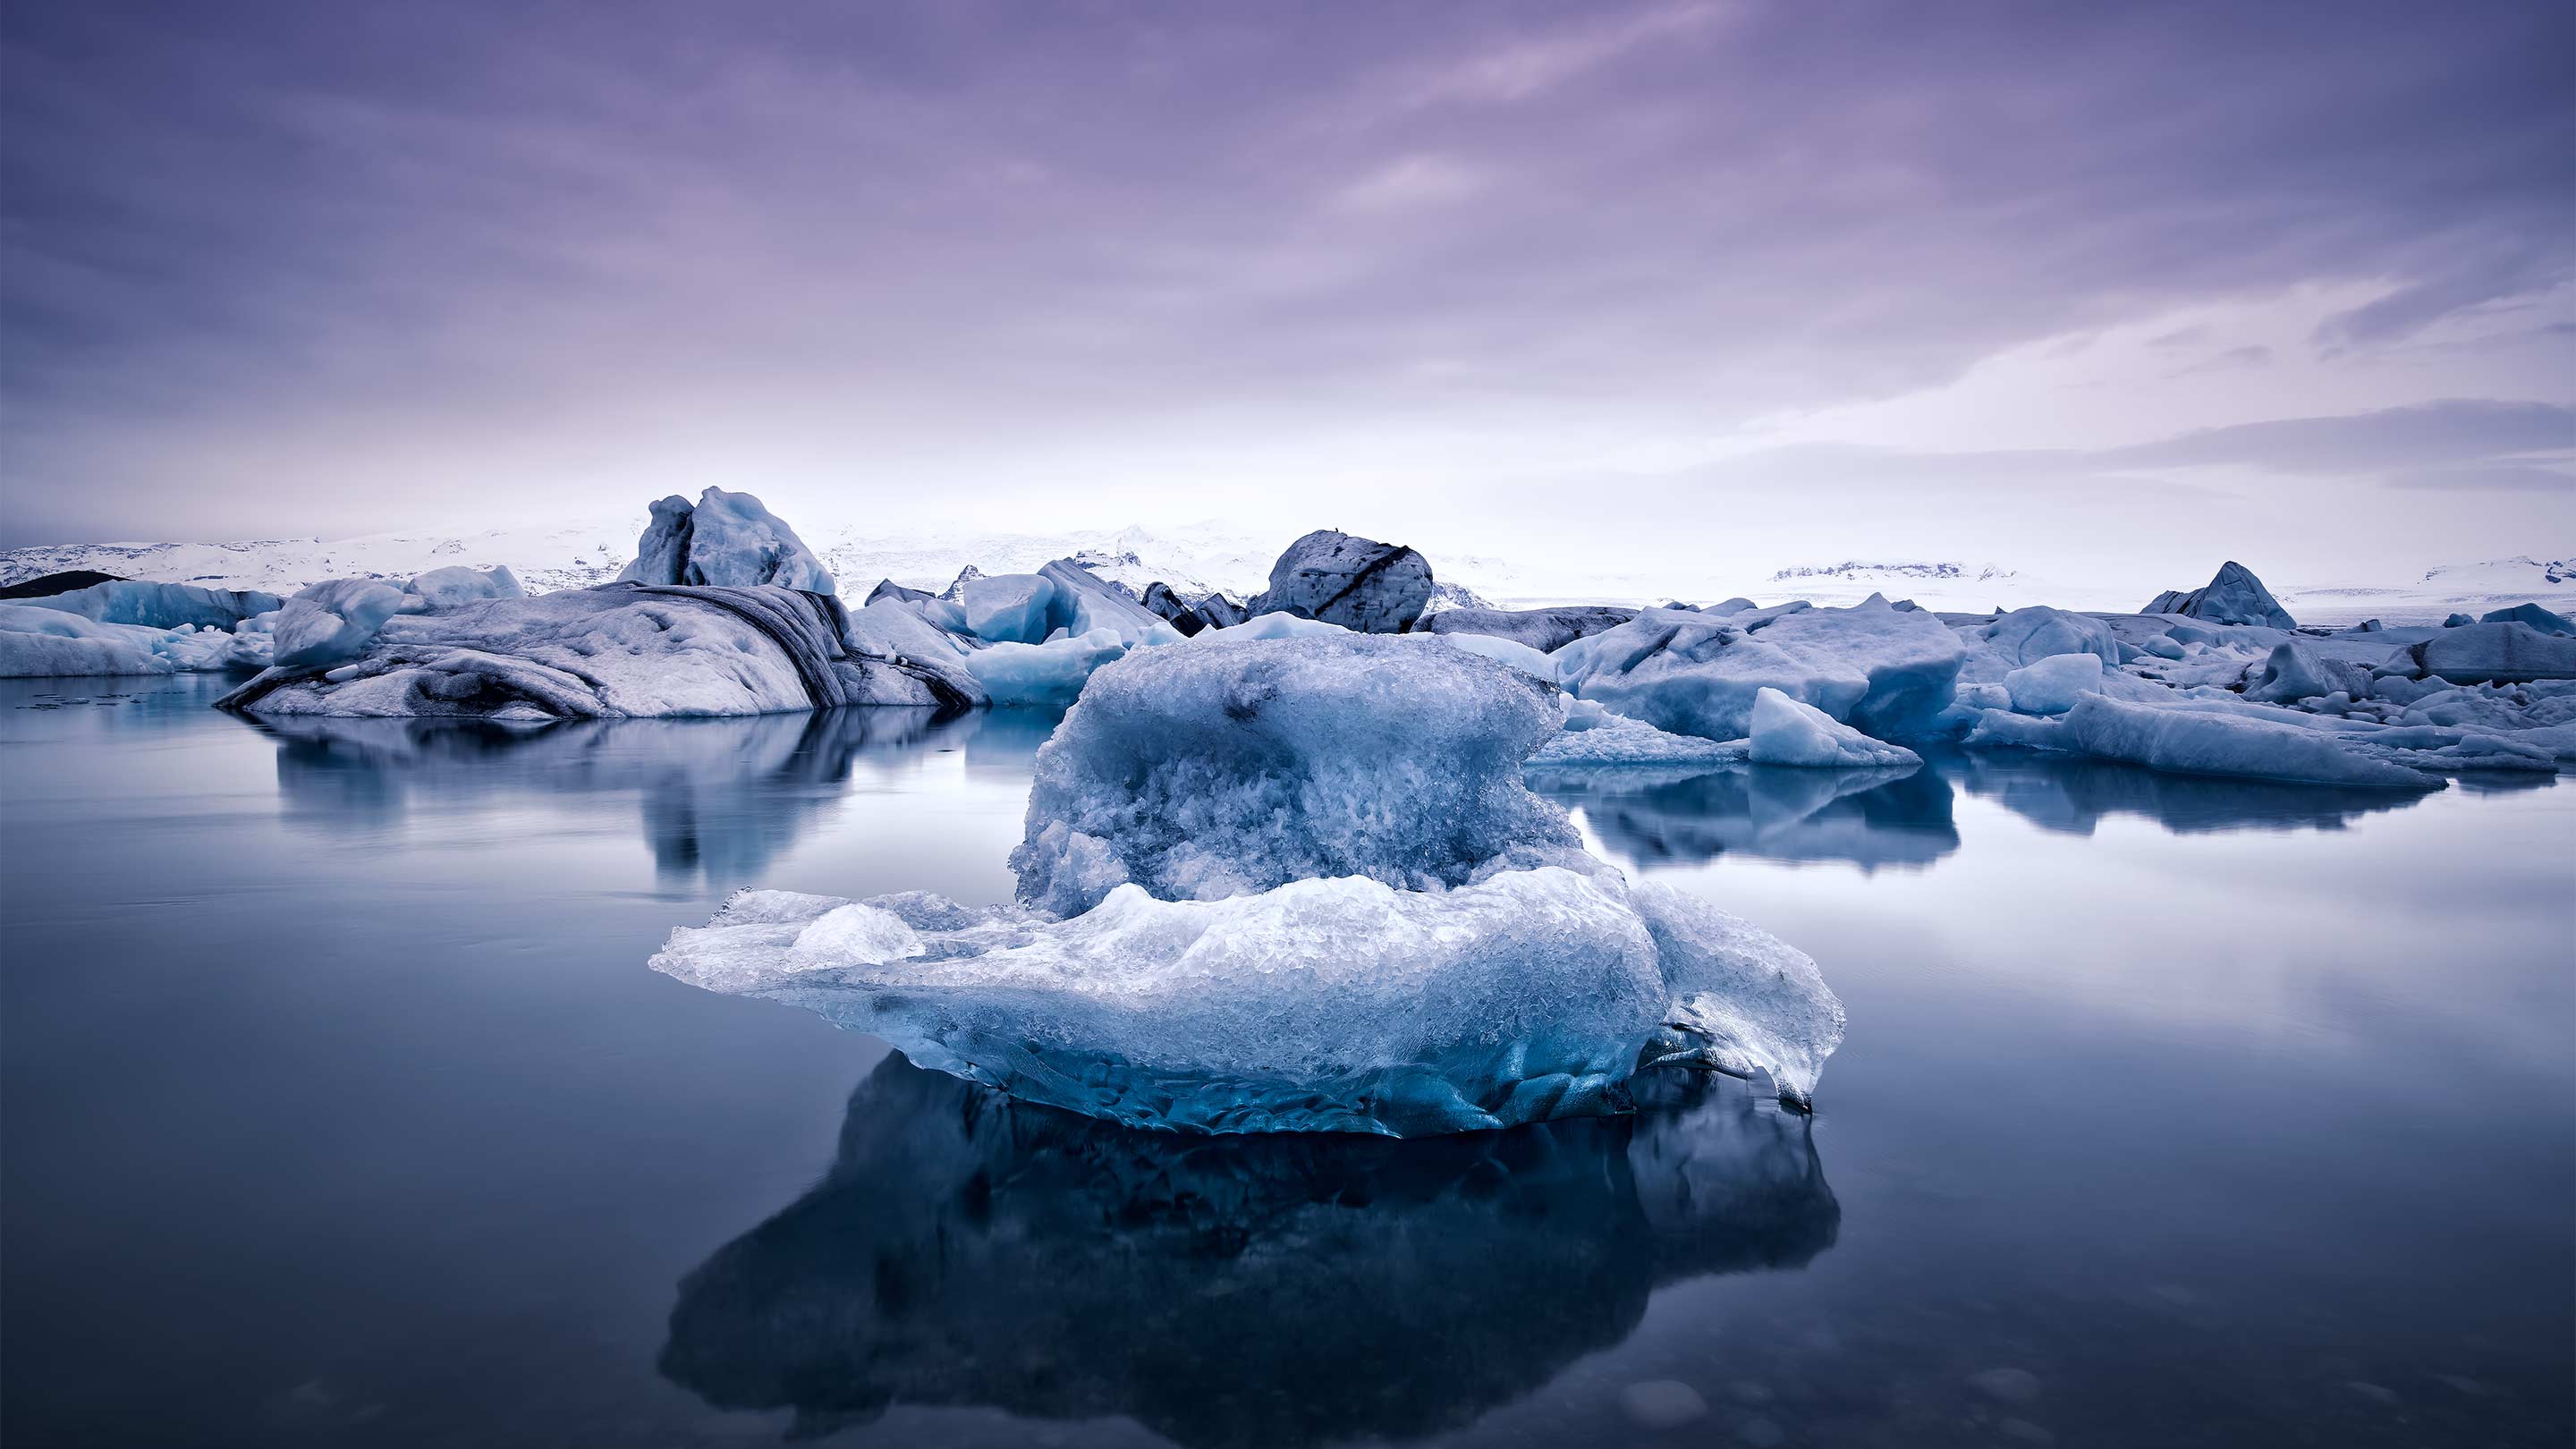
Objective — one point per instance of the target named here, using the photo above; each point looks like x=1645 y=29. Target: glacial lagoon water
x=340 y=1108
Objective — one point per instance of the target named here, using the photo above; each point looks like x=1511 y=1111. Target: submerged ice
x=1295 y=884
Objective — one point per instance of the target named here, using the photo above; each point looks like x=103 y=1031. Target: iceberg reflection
x=1898 y=817
x=719 y=798
x=970 y=1250
x=2075 y=795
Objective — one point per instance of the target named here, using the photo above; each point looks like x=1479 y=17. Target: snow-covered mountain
x=2470 y=588
x=544 y=556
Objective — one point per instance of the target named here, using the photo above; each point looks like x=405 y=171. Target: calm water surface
x=340 y=1108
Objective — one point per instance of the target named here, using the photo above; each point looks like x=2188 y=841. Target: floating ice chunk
x=1786 y=732
x=1594 y=737
x=617 y=650
x=2027 y=636
x=1358 y=583
x=333 y=621
x=2052 y=685
x=1319 y=1005
x=1885 y=670
x=2534 y=615
x=942 y=614
x=2503 y=653
x=2163 y=646
x=1502 y=651
x=1086 y=603
x=1062 y=600
x=2296 y=671
x=452 y=588
x=2456 y=620
x=1226 y=766
x=1743 y=1000
x=1544 y=630
x=159 y=606
x=1052 y=673
x=1274 y=626
x=2196 y=742
x=38 y=642
x=855 y=935
x=724 y=539
x=2233 y=596
x=906 y=634
x=1009 y=608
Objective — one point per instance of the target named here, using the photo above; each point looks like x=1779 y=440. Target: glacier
x=1295 y=884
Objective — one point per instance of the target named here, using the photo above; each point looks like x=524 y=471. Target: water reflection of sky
x=340 y=1108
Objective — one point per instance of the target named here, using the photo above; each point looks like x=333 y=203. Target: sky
x=2078 y=288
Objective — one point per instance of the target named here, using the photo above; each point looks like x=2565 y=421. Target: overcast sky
x=2074 y=287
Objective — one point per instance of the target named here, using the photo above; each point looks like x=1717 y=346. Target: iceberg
x=2296 y=671
x=2544 y=620
x=944 y=614
x=1358 y=583
x=618 y=650
x=2052 y=685
x=1229 y=766
x=2493 y=652
x=43 y=643
x=1008 y=608
x=1336 y=1004
x=1593 y=738
x=44 y=637
x=454 y=588
x=160 y=606
x=1887 y=671
x=2028 y=635
x=1502 y=651
x=1062 y=600
x=1545 y=630
x=333 y=621
x=725 y=539
x=1786 y=732
x=2232 y=596
x=1295 y=885
x=1087 y=603
x=2197 y=742
x=1052 y=673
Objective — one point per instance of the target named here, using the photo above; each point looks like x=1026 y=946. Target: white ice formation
x=724 y=539
x=1295 y=884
